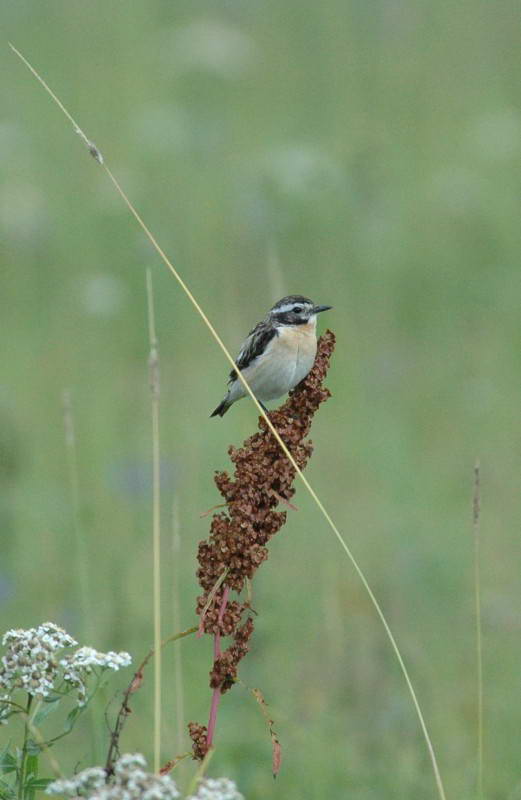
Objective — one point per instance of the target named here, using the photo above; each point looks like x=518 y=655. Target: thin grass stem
x=81 y=549
x=39 y=738
x=201 y=772
x=176 y=614
x=99 y=158
x=153 y=365
x=476 y=514
x=82 y=557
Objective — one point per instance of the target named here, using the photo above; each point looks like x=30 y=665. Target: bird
x=277 y=354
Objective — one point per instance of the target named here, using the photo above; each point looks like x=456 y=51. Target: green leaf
x=71 y=718
x=36 y=784
x=31 y=766
x=7 y=761
x=52 y=698
x=46 y=709
x=31 y=775
x=6 y=791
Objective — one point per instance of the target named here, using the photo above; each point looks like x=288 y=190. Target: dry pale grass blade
x=94 y=151
x=218 y=583
x=275 y=742
x=153 y=365
x=476 y=514
x=173 y=762
x=207 y=513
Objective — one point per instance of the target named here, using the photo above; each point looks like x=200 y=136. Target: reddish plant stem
x=223 y=604
x=200 y=631
x=216 y=696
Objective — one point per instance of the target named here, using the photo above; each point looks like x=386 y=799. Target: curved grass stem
x=100 y=160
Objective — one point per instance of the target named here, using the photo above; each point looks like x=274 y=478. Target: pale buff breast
x=301 y=344
x=285 y=362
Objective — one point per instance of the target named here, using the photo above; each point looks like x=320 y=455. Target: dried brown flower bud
x=198 y=736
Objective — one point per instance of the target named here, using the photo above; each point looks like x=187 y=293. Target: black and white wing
x=254 y=345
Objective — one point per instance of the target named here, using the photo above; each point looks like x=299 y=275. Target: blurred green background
x=366 y=155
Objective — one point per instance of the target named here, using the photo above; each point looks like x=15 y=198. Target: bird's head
x=295 y=310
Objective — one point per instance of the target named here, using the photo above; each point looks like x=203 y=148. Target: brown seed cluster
x=198 y=736
x=224 y=672
x=229 y=620
x=262 y=480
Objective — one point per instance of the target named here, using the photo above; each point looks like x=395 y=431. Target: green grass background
x=367 y=155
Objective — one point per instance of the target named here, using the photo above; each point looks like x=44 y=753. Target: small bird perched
x=277 y=354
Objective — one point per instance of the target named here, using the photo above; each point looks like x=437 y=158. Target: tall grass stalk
x=176 y=615
x=82 y=556
x=81 y=552
x=476 y=513
x=99 y=158
x=153 y=365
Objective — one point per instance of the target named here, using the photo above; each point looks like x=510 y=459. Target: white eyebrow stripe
x=290 y=306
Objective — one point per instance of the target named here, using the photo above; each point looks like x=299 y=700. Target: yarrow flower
x=77 y=666
x=216 y=789
x=84 y=784
x=129 y=782
x=32 y=664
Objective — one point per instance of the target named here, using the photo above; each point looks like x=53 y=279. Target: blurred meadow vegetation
x=367 y=155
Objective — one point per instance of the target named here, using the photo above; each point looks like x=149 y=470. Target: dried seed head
x=198 y=736
x=263 y=478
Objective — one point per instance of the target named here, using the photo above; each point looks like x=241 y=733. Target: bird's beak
x=318 y=309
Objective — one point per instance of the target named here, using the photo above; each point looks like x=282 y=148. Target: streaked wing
x=254 y=345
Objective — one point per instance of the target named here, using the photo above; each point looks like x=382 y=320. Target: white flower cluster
x=130 y=782
x=85 y=784
x=77 y=666
x=29 y=662
x=32 y=664
x=216 y=789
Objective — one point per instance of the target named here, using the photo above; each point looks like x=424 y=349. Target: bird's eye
x=297 y=309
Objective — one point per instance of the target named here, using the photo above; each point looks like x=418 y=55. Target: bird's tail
x=222 y=408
